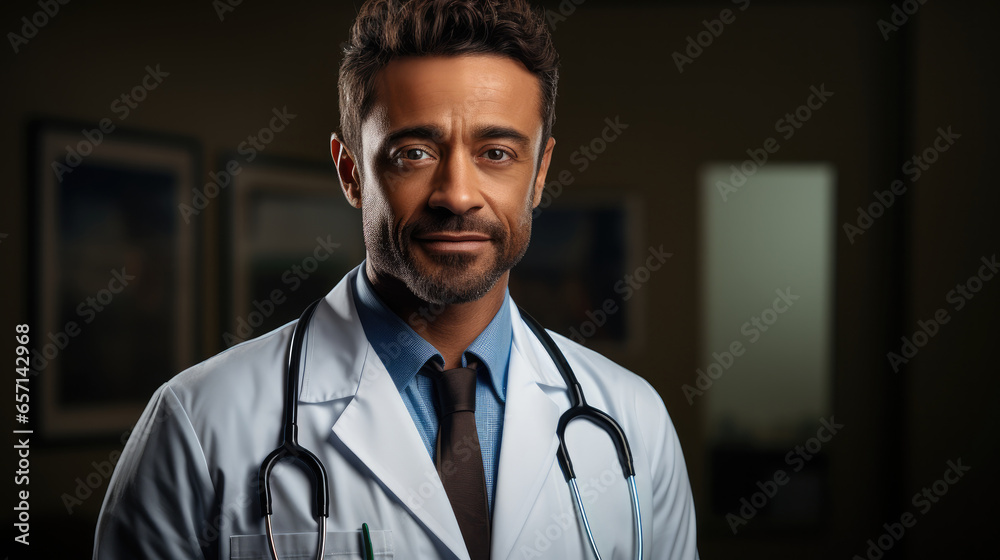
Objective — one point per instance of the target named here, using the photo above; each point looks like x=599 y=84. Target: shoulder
x=627 y=397
x=245 y=375
x=603 y=381
x=608 y=377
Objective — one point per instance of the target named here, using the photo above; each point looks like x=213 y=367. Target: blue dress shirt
x=404 y=353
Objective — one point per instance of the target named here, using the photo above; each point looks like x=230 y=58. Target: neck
x=449 y=328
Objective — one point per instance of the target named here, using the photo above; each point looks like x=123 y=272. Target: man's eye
x=496 y=154
x=410 y=154
x=414 y=153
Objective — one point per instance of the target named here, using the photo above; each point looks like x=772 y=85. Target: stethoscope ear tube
x=605 y=422
x=624 y=458
x=572 y=385
x=317 y=472
x=580 y=409
x=290 y=448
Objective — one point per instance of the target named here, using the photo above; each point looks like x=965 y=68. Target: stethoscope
x=290 y=448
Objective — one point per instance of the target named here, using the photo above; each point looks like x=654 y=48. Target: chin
x=458 y=262
x=454 y=278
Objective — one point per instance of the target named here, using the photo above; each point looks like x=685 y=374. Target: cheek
x=510 y=197
x=376 y=214
x=383 y=211
x=521 y=210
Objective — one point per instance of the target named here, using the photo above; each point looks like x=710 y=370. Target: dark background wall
x=891 y=95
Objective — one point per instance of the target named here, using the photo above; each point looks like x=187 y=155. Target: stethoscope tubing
x=290 y=448
x=580 y=409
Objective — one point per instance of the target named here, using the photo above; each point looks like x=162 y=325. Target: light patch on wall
x=767 y=254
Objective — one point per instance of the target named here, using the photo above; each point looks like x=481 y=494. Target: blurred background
x=781 y=214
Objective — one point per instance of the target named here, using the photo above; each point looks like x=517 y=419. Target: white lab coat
x=186 y=484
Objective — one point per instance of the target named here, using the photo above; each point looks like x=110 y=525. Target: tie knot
x=456 y=388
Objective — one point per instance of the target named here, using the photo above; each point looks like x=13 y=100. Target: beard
x=444 y=279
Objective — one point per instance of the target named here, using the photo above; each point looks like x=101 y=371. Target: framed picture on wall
x=579 y=275
x=291 y=237
x=115 y=271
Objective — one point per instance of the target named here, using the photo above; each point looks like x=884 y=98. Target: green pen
x=369 y=552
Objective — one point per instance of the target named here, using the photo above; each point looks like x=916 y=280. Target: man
x=446 y=115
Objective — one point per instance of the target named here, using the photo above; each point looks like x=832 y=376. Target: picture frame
x=115 y=271
x=574 y=278
x=291 y=238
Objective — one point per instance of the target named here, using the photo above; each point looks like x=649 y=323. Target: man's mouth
x=453 y=241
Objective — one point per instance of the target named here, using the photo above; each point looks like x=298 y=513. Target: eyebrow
x=433 y=132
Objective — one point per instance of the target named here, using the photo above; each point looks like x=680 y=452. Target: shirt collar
x=404 y=352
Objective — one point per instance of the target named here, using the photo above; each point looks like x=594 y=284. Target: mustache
x=448 y=222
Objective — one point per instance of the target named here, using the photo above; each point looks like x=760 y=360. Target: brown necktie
x=458 y=456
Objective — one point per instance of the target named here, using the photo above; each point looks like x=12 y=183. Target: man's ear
x=543 y=168
x=347 y=171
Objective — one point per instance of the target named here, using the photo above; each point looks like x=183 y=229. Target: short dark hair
x=388 y=29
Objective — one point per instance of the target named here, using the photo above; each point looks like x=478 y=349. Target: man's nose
x=457 y=185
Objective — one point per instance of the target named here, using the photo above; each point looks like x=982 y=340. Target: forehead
x=456 y=90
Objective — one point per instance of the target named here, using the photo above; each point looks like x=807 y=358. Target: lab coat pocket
x=340 y=545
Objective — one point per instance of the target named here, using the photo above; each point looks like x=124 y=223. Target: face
x=449 y=161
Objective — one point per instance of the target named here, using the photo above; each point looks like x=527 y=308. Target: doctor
x=446 y=116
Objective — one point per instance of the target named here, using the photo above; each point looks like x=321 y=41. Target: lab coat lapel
x=375 y=425
x=378 y=429
x=529 y=442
